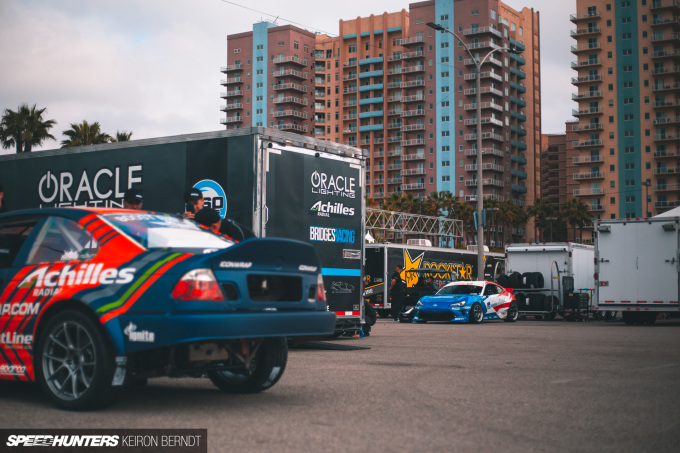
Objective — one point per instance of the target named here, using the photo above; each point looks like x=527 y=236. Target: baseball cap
x=207 y=216
x=133 y=196
x=193 y=195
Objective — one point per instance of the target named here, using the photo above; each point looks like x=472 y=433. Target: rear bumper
x=143 y=332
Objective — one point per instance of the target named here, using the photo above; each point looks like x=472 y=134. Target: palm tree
x=464 y=212
x=437 y=202
x=508 y=214
x=25 y=128
x=577 y=214
x=84 y=134
x=540 y=211
x=121 y=137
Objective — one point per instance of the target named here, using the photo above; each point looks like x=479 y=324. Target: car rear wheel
x=513 y=312
x=476 y=313
x=265 y=371
x=75 y=362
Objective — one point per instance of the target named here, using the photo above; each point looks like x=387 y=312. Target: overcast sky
x=153 y=66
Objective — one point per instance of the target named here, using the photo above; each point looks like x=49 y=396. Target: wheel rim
x=69 y=360
x=477 y=312
x=512 y=311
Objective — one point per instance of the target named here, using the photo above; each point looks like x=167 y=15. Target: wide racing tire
x=75 y=362
x=476 y=313
x=267 y=369
x=513 y=312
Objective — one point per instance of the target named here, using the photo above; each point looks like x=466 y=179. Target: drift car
x=94 y=299
x=468 y=302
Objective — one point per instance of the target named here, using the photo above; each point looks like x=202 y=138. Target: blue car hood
x=451 y=299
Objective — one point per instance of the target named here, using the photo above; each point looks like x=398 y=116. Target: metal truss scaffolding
x=404 y=223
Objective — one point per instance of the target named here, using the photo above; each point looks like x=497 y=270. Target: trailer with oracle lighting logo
x=275 y=183
x=637 y=267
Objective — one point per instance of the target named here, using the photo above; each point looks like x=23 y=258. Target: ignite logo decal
x=214 y=195
x=329 y=209
x=339 y=186
x=141 y=336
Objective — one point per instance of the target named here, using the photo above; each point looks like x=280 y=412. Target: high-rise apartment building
x=628 y=94
x=405 y=92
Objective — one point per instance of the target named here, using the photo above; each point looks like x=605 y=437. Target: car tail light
x=320 y=290
x=199 y=284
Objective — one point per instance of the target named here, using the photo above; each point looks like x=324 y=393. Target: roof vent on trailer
x=604 y=228
x=668 y=227
x=420 y=242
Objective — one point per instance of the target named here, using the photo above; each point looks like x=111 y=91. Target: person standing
x=193 y=197
x=133 y=199
x=396 y=292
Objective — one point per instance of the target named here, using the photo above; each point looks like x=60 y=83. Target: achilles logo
x=142 y=336
x=84 y=274
x=20 y=309
x=330 y=209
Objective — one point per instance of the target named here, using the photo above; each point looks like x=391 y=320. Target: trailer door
x=317 y=198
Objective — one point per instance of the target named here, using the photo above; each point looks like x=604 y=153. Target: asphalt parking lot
x=519 y=387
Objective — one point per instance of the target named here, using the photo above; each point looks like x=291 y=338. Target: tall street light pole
x=480 y=192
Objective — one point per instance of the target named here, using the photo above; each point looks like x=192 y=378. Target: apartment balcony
x=587 y=63
x=232 y=80
x=519 y=159
x=395 y=125
x=412 y=157
x=234 y=106
x=292 y=60
x=413 y=112
x=485 y=182
x=487 y=166
x=415 y=54
x=667 y=154
x=592 y=111
x=484 y=106
x=665 y=37
x=666 y=103
x=667 y=171
x=586 y=79
x=394 y=139
x=413 y=41
x=411 y=69
x=586 y=95
x=291 y=127
x=518 y=86
x=482 y=31
x=374 y=100
x=591 y=175
x=349 y=90
x=485 y=136
x=666 y=137
x=667 y=204
x=587 y=143
x=414 y=186
x=483 y=45
x=350 y=77
x=666 y=88
x=587 y=31
x=670 y=21
x=291 y=73
x=232 y=120
x=351 y=130
x=394 y=98
x=484 y=75
x=233 y=93
x=413 y=171
x=518 y=188
x=590 y=47
x=487 y=196
x=413 y=142
x=483 y=91
x=596 y=208
x=296 y=114
x=667 y=187
x=492 y=60
x=395 y=180
x=582 y=160
x=393 y=85
x=589 y=16
x=587 y=127
x=412 y=127
x=234 y=67
x=485 y=152
x=658 y=5
x=588 y=192
x=518 y=101
x=413 y=83
x=485 y=120
x=520 y=116
x=292 y=87
x=663 y=54
x=666 y=70
x=394 y=111
x=414 y=98
x=518 y=73
x=291 y=100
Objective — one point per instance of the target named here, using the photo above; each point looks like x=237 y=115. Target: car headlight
x=457 y=304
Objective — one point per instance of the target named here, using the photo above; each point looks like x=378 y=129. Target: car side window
x=62 y=239
x=13 y=234
x=490 y=290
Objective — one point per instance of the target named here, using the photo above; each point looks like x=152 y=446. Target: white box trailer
x=637 y=267
x=550 y=278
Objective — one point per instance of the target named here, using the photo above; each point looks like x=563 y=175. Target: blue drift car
x=470 y=302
